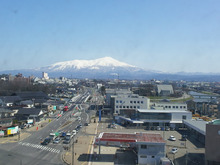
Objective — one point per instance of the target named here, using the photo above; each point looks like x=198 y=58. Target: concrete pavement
x=82 y=146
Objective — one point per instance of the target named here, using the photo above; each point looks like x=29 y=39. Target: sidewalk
x=82 y=147
x=24 y=133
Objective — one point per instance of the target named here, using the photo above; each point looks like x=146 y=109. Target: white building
x=168 y=105
x=132 y=101
x=45 y=75
x=114 y=92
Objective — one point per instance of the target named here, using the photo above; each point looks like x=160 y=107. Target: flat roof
x=198 y=125
x=163 y=111
x=133 y=121
x=132 y=137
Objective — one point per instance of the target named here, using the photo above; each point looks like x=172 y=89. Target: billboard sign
x=12 y=130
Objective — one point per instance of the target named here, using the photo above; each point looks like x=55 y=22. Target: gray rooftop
x=198 y=125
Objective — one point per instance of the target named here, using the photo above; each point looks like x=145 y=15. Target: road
x=31 y=152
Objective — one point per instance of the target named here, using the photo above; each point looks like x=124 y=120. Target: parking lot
x=188 y=152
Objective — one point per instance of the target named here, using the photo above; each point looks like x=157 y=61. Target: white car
x=172 y=138
x=174 y=150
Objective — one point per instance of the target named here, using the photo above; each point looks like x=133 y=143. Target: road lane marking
x=37 y=146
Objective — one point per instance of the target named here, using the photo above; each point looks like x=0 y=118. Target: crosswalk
x=40 y=147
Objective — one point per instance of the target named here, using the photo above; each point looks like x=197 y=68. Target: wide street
x=30 y=151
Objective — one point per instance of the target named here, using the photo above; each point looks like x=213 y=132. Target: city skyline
x=167 y=36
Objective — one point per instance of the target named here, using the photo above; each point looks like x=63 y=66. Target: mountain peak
x=91 y=64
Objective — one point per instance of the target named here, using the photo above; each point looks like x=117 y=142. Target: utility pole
x=73 y=152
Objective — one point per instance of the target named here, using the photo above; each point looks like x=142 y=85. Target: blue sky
x=164 y=35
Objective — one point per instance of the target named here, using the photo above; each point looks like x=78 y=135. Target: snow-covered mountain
x=88 y=64
x=105 y=67
x=109 y=68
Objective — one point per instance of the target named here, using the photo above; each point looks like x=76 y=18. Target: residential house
x=29 y=113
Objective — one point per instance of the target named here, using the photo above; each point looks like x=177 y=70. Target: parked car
x=167 y=128
x=174 y=150
x=56 y=141
x=172 y=138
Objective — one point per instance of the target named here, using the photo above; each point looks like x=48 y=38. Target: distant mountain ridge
x=87 y=64
x=109 y=68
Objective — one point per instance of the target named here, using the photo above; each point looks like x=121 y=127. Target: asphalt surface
x=30 y=151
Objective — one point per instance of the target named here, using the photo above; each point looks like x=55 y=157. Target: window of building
x=123 y=106
x=143 y=156
x=138 y=107
x=135 y=102
x=127 y=106
x=120 y=106
x=131 y=102
x=173 y=106
x=143 y=146
x=181 y=107
x=116 y=106
x=116 y=111
x=131 y=107
x=134 y=106
x=142 y=102
x=138 y=102
x=184 y=117
x=120 y=101
x=177 y=107
x=116 y=101
x=165 y=106
x=184 y=107
x=153 y=156
x=169 y=106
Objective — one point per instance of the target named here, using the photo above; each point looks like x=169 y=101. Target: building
x=154 y=119
x=150 y=147
x=29 y=113
x=170 y=106
x=45 y=75
x=196 y=129
x=6 y=117
x=212 y=143
x=114 y=92
x=129 y=102
x=164 y=90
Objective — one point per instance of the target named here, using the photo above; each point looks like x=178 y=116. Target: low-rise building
x=152 y=119
x=150 y=147
x=164 y=90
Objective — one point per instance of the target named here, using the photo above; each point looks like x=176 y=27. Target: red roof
x=135 y=137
